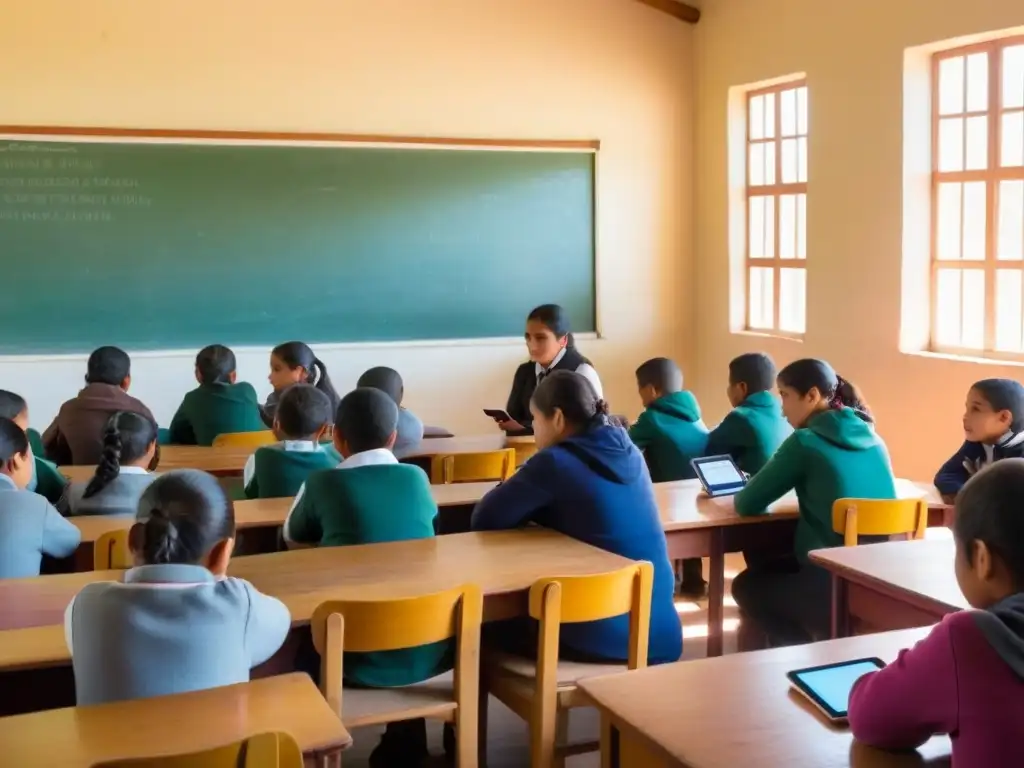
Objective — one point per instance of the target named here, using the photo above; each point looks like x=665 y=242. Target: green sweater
x=751 y=432
x=836 y=455
x=278 y=472
x=670 y=433
x=370 y=505
x=216 y=409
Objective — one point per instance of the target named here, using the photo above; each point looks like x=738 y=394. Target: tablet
x=828 y=687
x=719 y=475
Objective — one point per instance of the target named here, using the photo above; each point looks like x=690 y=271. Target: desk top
x=752 y=719
x=921 y=569
x=82 y=736
x=466 y=444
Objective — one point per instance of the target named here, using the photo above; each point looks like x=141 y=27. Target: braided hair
x=126 y=439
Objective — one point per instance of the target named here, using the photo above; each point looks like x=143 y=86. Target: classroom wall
x=853 y=55
x=612 y=70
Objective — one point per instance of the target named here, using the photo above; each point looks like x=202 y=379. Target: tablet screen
x=832 y=685
x=721 y=472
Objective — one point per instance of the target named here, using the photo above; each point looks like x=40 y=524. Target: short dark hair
x=108 y=365
x=574 y=395
x=661 y=373
x=387 y=380
x=755 y=369
x=1004 y=395
x=302 y=411
x=366 y=419
x=215 y=364
x=13 y=441
x=988 y=509
x=11 y=405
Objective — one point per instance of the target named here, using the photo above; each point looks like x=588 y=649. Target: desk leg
x=716 y=593
x=840 y=607
x=609 y=743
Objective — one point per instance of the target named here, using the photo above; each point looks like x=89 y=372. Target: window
x=776 y=276
x=978 y=199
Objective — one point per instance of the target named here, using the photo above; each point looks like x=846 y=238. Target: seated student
x=371 y=498
x=219 y=405
x=29 y=525
x=993 y=428
x=129 y=453
x=176 y=622
x=76 y=435
x=755 y=428
x=279 y=470
x=388 y=380
x=46 y=480
x=589 y=482
x=295 y=363
x=966 y=678
x=833 y=453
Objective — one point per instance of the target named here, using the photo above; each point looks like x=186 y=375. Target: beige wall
x=853 y=54
x=613 y=70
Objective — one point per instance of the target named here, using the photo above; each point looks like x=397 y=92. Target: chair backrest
x=473 y=467
x=266 y=750
x=110 y=552
x=573 y=599
x=244 y=439
x=875 y=517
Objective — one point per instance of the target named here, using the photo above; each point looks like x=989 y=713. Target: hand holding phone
x=506 y=422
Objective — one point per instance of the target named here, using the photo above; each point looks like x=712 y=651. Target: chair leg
x=543 y=731
x=467 y=734
x=561 y=737
x=481 y=731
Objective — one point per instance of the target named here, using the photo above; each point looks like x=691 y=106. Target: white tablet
x=719 y=475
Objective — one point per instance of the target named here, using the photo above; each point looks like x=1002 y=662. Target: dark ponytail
x=573 y=395
x=215 y=364
x=126 y=439
x=554 y=318
x=296 y=354
x=804 y=375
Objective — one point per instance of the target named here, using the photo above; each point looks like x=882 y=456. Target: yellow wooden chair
x=543 y=692
x=874 y=517
x=387 y=625
x=110 y=552
x=252 y=440
x=472 y=467
x=267 y=750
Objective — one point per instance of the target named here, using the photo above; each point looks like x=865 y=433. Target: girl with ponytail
x=129 y=455
x=295 y=363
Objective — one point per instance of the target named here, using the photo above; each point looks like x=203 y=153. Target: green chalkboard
x=174 y=246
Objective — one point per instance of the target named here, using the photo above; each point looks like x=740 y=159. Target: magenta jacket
x=965 y=679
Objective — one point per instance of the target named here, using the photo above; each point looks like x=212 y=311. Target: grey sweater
x=119 y=497
x=29 y=528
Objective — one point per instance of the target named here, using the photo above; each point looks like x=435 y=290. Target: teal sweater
x=278 y=472
x=371 y=505
x=751 y=432
x=835 y=455
x=670 y=433
x=216 y=409
x=49 y=483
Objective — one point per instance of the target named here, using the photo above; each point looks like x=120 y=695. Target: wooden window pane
x=756 y=226
x=1013 y=76
x=761 y=296
x=948 y=217
x=951 y=144
x=769 y=163
x=769 y=227
x=789 y=161
x=977 y=143
x=977 y=82
x=972 y=328
x=755 y=170
x=787 y=113
x=787 y=227
x=974 y=223
x=951 y=86
x=769 y=116
x=756 y=110
x=1012 y=154
x=792 y=300
x=801 y=111
x=1011 y=221
x=801 y=161
x=801 y=226
x=1008 y=310
x=947 y=309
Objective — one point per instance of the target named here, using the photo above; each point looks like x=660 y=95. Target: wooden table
x=891 y=586
x=738 y=710
x=82 y=736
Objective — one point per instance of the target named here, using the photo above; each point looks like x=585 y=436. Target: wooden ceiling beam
x=680 y=10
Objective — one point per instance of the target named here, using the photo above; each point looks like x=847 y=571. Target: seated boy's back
x=389 y=381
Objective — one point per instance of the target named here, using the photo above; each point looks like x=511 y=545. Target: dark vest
x=524 y=383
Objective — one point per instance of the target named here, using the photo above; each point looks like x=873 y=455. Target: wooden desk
x=82 y=736
x=525 y=446
x=667 y=716
x=891 y=586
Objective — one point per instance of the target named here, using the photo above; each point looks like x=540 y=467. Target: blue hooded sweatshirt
x=595 y=487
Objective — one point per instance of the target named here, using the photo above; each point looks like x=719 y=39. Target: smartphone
x=828 y=687
x=497 y=414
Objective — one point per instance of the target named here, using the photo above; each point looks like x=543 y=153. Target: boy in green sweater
x=219 y=405
x=755 y=427
x=301 y=420
x=370 y=498
x=46 y=480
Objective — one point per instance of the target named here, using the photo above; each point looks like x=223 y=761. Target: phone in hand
x=497 y=414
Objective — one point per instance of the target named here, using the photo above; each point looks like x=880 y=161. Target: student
x=177 y=622
x=220 y=405
x=833 y=453
x=589 y=482
x=966 y=678
x=129 y=453
x=551 y=348
x=29 y=525
x=371 y=498
x=388 y=381
x=993 y=428
x=279 y=470
x=76 y=435
x=294 y=363
x=755 y=427
x=46 y=480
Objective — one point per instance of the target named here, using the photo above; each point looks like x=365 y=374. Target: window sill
x=975 y=359
x=797 y=339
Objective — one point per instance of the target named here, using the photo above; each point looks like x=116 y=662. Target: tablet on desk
x=719 y=475
x=828 y=687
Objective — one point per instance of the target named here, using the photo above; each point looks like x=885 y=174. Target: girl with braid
x=124 y=471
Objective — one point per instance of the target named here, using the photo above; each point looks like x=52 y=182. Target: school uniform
x=76 y=435
x=670 y=433
x=279 y=470
x=210 y=410
x=49 y=483
x=595 y=487
x=410 y=431
x=751 y=432
x=118 y=497
x=30 y=527
x=530 y=374
x=268 y=411
x=169 y=629
x=971 y=457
